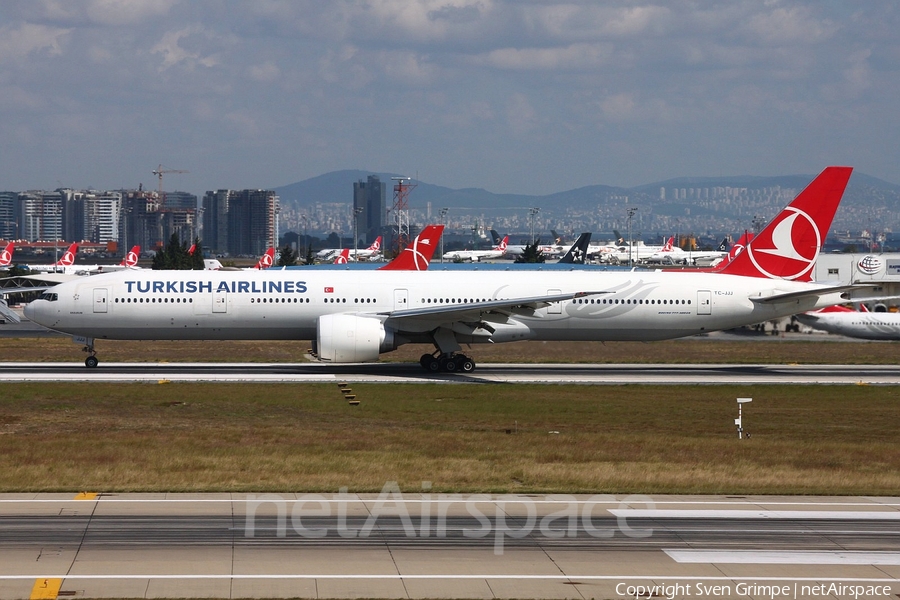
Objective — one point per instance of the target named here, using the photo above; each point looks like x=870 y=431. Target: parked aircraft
x=354 y=316
x=674 y=255
x=66 y=264
x=361 y=254
x=857 y=324
x=477 y=255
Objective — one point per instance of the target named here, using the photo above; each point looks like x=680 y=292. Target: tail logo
x=266 y=260
x=778 y=256
x=67 y=259
x=132 y=259
x=5 y=257
x=419 y=260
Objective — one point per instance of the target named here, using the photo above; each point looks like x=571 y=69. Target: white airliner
x=354 y=316
x=674 y=255
x=370 y=253
x=477 y=255
x=857 y=324
x=66 y=264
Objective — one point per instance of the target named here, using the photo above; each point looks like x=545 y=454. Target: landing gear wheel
x=466 y=364
x=448 y=364
x=432 y=365
x=91 y=361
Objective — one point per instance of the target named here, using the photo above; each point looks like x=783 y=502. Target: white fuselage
x=863 y=325
x=286 y=304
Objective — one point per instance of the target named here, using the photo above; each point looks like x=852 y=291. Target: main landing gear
x=447 y=363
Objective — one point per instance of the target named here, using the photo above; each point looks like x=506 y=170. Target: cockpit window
x=49 y=296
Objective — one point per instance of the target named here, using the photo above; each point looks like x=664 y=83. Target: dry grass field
x=492 y=438
x=497 y=438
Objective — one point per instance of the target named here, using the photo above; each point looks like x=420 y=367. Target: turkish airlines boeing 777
x=354 y=316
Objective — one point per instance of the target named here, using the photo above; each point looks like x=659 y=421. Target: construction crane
x=159 y=173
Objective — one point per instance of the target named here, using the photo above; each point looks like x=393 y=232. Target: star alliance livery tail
x=6 y=255
x=788 y=246
x=417 y=255
x=578 y=251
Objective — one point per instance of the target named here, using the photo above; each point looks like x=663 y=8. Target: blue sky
x=512 y=96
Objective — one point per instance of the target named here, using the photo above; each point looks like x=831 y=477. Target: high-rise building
x=94 y=216
x=215 y=220
x=240 y=222
x=9 y=222
x=369 y=208
x=41 y=216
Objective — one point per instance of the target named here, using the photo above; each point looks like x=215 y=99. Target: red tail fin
x=343 y=258
x=68 y=259
x=131 y=259
x=6 y=255
x=417 y=255
x=266 y=260
x=503 y=243
x=376 y=245
x=788 y=246
x=670 y=243
x=191 y=249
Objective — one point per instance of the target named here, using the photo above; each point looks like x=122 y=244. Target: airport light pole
x=532 y=212
x=444 y=212
x=356 y=211
x=305 y=220
x=631 y=212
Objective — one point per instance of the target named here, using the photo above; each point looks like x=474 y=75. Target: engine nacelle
x=349 y=338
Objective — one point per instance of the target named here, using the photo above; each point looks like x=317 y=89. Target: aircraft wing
x=810 y=293
x=474 y=310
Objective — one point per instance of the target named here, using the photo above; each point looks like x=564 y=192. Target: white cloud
x=127 y=12
x=173 y=53
x=575 y=56
x=30 y=39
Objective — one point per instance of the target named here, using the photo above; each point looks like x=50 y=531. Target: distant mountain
x=868 y=202
x=337 y=186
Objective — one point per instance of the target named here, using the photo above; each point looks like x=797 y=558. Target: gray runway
x=431 y=545
x=656 y=374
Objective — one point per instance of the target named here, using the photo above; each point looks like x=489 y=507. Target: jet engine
x=345 y=338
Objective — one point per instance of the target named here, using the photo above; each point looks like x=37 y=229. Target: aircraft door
x=556 y=307
x=220 y=302
x=704 y=302
x=401 y=299
x=100 y=300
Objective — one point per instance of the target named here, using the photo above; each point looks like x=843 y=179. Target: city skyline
x=524 y=98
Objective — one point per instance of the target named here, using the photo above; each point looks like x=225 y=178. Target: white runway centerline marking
x=640 y=513
x=784 y=557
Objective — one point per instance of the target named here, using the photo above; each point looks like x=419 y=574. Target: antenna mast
x=400 y=209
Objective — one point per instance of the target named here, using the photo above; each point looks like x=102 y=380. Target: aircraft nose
x=29 y=311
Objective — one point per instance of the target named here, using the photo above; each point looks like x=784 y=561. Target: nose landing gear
x=91 y=361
